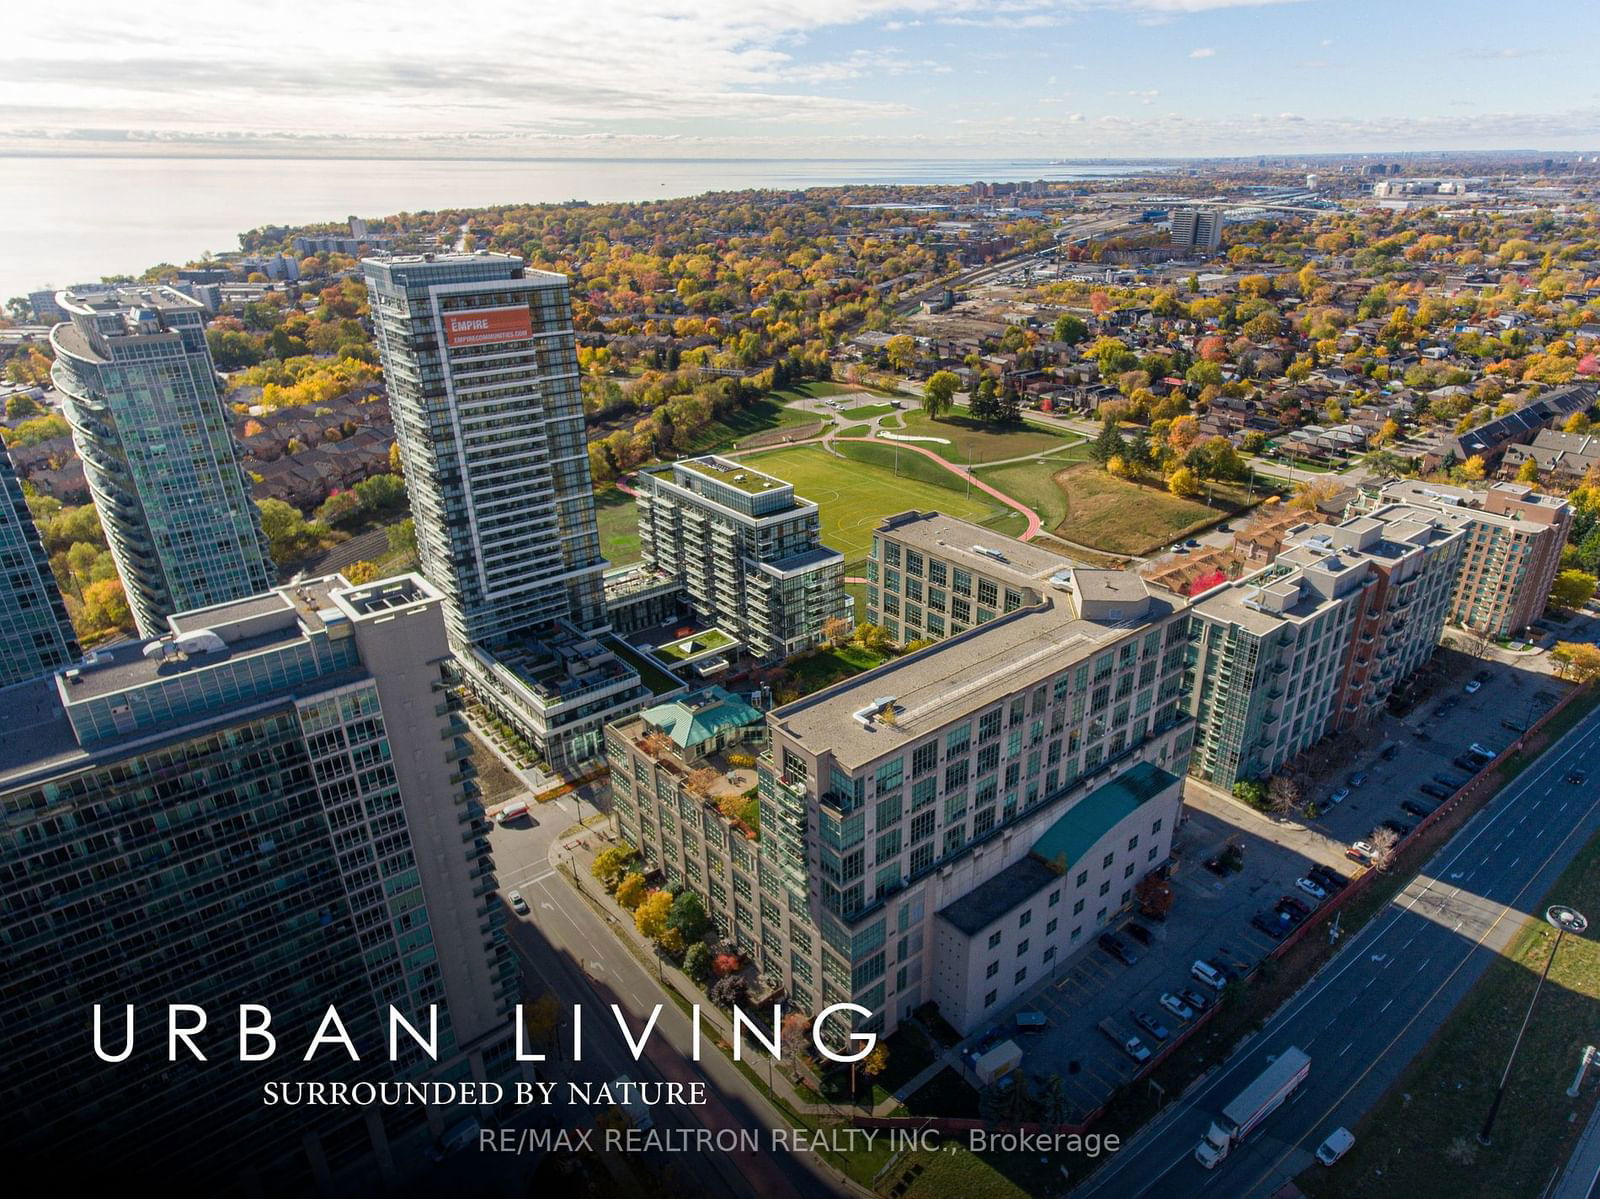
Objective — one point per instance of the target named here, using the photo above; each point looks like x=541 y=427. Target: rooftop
x=731 y=474
x=693 y=719
x=1092 y=817
x=972 y=546
x=991 y=900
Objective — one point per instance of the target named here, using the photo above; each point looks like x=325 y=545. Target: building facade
x=748 y=550
x=35 y=635
x=140 y=392
x=1043 y=747
x=481 y=366
x=1319 y=640
x=1197 y=228
x=1513 y=540
x=272 y=805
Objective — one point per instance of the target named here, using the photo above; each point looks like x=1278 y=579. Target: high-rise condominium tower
x=35 y=635
x=141 y=396
x=482 y=372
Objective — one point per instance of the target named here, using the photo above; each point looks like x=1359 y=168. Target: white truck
x=1253 y=1105
x=1132 y=1046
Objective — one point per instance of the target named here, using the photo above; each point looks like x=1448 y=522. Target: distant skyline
x=775 y=78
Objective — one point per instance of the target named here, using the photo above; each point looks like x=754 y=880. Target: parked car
x=1194 y=999
x=1483 y=751
x=1467 y=763
x=1276 y=929
x=1031 y=1021
x=1577 y=777
x=518 y=904
x=1177 y=548
x=1361 y=851
x=1338 y=797
x=1453 y=781
x=1138 y=932
x=1330 y=878
x=1118 y=948
x=1434 y=791
x=1416 y=809
x=1358 y=779
x=1472 y=687
x=1311 y=888
x=1176 y=1006
x=1336 y=1146
x=1151 y=1025
x=1192 y=543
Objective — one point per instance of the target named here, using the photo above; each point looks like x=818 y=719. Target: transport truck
x=1253 y=1105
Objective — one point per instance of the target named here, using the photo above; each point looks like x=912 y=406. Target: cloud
x=1203 y=52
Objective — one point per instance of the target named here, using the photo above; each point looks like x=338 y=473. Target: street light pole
x=1565 y=920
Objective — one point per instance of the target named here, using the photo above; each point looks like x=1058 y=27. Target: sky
x=808 y=78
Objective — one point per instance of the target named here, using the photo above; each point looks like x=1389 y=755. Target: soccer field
x=856 y=496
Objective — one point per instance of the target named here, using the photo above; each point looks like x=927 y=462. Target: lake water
x=66 y=219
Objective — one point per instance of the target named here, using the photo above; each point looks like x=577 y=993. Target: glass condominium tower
x=140 y=393
x=35 y=634
x=482 y=371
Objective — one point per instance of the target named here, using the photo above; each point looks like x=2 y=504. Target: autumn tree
x=631 y=891
x=901 y=351
x=610 y=865
x=1283 y=794
x=836 y=631
x=1384 y=842
x=1474 y=468
x=1183 y=483
x=650 y=917
x=939 y=392
x=1573 y=589
x=702 y=781
x=541 y=1018
x=1577 y=661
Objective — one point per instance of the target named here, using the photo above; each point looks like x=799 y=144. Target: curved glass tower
x=140 y=394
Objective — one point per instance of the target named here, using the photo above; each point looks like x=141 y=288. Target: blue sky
x=1035 y=78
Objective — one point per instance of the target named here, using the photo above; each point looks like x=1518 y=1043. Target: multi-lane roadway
x=1376 y=1004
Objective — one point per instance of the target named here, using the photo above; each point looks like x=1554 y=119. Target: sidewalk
x=1583 y=1167
x=575 y=850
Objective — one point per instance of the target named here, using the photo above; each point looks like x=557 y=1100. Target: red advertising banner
x=486 y=325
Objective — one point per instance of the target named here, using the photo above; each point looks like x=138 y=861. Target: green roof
x=1097 y=813
x=694 y=719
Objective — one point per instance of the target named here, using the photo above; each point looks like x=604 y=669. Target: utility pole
x=1565 y=920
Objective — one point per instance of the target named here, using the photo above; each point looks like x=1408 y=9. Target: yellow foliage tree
x=1183 y=483
x=650 y=917
x=631 y=891
x=1474 y=468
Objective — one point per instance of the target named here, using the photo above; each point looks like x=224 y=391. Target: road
x=1371 y=1009
x=566 y=948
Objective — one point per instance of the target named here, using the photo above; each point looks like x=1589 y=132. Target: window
x=1022 y=946
x=994 y=968
x=988 y=1000
x=925 y=757
x=890 y=774
x=1083 y=877
x=1025 y=919
x=994 y=939
x=1020 y=975
x=1050 y=927
x=1055 y=897
x=1133 y=841
x=1128 y=871
x=1107 y=860
x=1105 y=888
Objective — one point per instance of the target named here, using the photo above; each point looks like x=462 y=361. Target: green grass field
x=1033 y=483
x=856 y=494
x=619 y=526
x=1120 y=517
x=1419 y=1141
x=978 y=442
x=763 y=416
x=867 y=411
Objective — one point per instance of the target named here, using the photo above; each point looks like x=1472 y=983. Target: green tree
x=1070 y=329
x=402 y=537
x=983 y=403
x=938 y=393
x=689 y=917
x=1573 y=589
x=1109 y=443
x=380 y=493
x=697 y=963
x=288 y=534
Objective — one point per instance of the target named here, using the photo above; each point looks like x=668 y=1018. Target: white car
x=518 y=904
x=1336 y=1146
x=1339 y=796
x=1472 y=687
x=1177 y=1007
x=1310 y=888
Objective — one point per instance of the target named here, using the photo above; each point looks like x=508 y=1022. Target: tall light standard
x=1566 y=920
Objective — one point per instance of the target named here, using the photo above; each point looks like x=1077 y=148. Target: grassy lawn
x=855 y=430
x=1133 y=518
x=856 y=495
x=619 y=526
x=858 y=597
x=867 y=411
x=1033 y=483
x=651 y=675
x=1421 y=1139
x=816 y=391
x=829 y=666
x=977 y=442
x=955 y=1172
x=699 y=643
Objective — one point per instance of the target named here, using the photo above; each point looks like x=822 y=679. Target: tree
x=701 y=782
x=360 y=572
x=542 y=1017
x=1183 y=434
x=688 y=917
x=105 y=608
x=873 y=637
x=901 y=351
x=697 y=963
x=380 y=493
x=730 y=992
x=340 y=508
x=983 y=404
x=1182 y=483
x=1578 y=422
x=611 y=864
x=938 y=392
x=1070 y=329
x=1528 y=472
x=1108 y=444
x=876 y=1062
x=1474 y=468
x=288 y=535
x=402 y=537
x=726 y=962
x=631 y=891
x=1383 y=841
x=1576 y=660
x=1384 y=464
x=836 y=631
x=1283 y=794
x=650 y=917
x=1573 y=589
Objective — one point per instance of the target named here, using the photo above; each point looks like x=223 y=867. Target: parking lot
x=1215 y=911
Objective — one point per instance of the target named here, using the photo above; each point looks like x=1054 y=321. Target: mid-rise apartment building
x=748 y=550
x=1513 y=540
x=1318 y=640
x=481 y=366
x=1197 y=228
x=273 y=805
x=35 y=635
x=947 y=827
x=140 y=392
